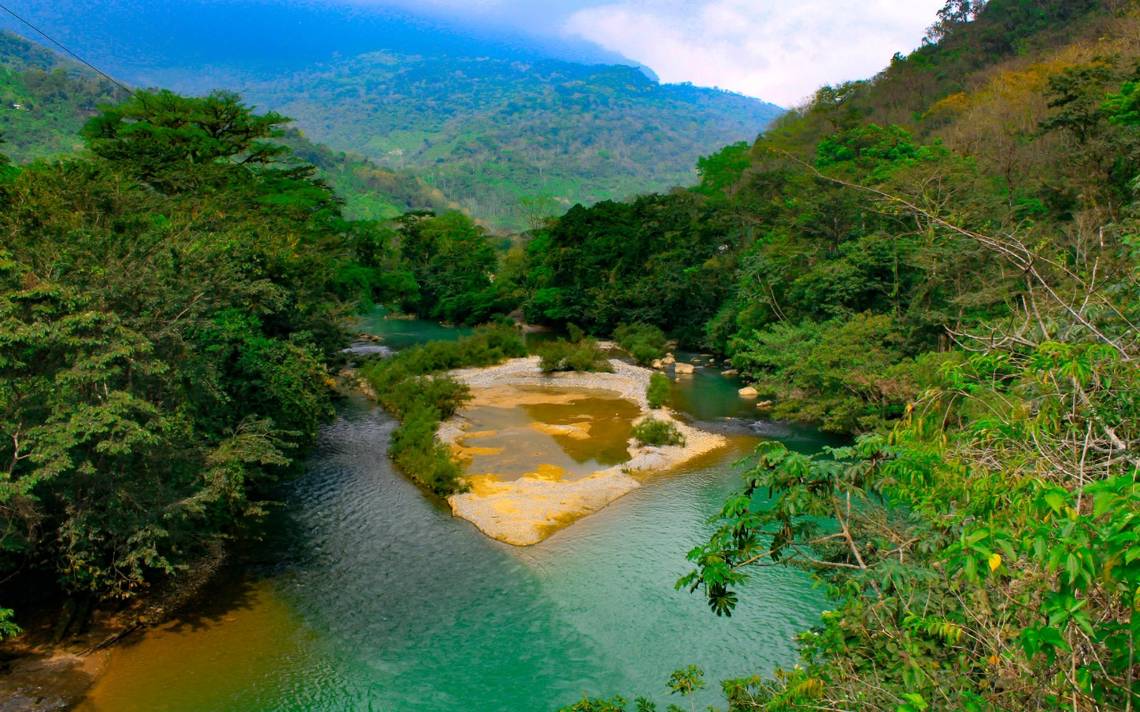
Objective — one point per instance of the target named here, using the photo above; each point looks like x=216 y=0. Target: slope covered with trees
x=169 y=301
x=945 y=259
x=45 y=100
x=512 y=139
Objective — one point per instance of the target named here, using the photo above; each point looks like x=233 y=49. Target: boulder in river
x=749 y=392
x=730 y=373
x=684 y=369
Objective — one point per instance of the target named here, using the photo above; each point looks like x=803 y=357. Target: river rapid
x=368 y=595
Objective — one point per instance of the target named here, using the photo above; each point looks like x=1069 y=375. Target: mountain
x=507 y=137
x=511 y=127
x=45 y=99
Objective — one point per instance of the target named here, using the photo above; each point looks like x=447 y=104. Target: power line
x=75 y=56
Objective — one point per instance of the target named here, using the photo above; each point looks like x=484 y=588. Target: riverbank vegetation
x=413 y=386
x=644 y=342
x=659 y=392
x=652 y=431
x=582 y=355
x=168 y=303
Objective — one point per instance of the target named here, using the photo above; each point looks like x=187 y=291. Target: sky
x=777 y=50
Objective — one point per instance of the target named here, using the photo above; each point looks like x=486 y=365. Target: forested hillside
x=167 y=313
x=46 y=99
x=512 y=140
x=944 y=259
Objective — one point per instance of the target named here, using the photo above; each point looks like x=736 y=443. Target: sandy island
x=527 y=510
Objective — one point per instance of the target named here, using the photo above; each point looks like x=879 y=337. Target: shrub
x=652 y=431
x=444 y=394
x=659 y=391
x=574 y=333
x=582 y=356
x=489 y=345
x=407 y=389
x=644 y=342
x=418 y=452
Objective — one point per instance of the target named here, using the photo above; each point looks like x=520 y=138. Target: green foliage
x=419 y=453
x=8 y=629
x=660 y=391
x=849 y=375
x=167 y=308
x=177 y=143
x=453 y=263
x=44 y=100
x=583 y=356
x=536 y=136
x=645 y=342
x=406 y=387
x=658 y=261
x=657 y=433
x=722 y=171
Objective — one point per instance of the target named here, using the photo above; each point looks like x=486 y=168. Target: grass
x=652 y=431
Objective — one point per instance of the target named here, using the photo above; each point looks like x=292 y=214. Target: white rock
x=684 y=369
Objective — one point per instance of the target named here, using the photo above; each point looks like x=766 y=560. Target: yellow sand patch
x=480 y=434
x=511 y=396
x=576 y=431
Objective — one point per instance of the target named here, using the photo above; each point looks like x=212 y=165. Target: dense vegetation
x=410 y=386
x=945 y=259
x=659 y=391
x=514 y=141
x=168 y=304
x=45 y=100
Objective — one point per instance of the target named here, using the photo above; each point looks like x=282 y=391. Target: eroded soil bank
x=524 y=507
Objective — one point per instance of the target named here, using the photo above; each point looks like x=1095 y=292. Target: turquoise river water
x=368 y=595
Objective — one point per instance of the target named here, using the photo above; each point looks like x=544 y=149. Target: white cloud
x=780 y=51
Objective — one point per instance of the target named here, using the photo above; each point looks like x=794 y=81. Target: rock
x=730 y=373
x=684 y=369
x=658 y=364
x=764 y=405
x=669 y=360
x=748 y=392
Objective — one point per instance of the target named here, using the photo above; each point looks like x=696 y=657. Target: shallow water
x=372 y=597
x=574 y=436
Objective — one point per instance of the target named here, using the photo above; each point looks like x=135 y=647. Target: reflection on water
x=373 y=597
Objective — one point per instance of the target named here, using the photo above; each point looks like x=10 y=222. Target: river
x=368 y=595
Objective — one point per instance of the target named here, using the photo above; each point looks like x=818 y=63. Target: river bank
x=45 y=670
x=527 y=510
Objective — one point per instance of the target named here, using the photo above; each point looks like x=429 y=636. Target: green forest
x=941 y=263
x=511 y=140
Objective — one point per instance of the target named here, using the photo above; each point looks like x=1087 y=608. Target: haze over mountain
x=506 y=125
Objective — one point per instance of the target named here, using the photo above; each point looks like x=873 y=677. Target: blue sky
x=780 y=51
